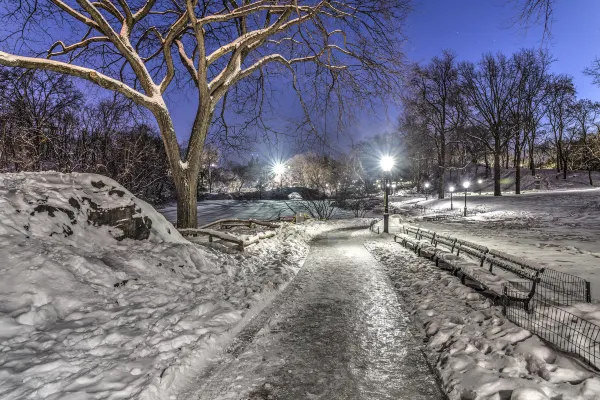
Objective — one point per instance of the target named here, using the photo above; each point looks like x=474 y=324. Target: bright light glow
x=393 y=185
x=426 y=185
x=451 y=188
x=466 y=185
x=479 y=181
x=387 y=163
x=279 y=169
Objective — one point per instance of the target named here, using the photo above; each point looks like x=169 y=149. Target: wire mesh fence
x=541 y=314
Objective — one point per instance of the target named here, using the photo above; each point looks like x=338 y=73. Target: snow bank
x=101 y=297
x=476 y=351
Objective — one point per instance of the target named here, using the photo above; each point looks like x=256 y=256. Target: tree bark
x=441 y=168
x=187 y=201
x=518 y=165
x=185 y=174
x=497 y=154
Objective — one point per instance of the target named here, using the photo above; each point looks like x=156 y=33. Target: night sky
x=473 y=27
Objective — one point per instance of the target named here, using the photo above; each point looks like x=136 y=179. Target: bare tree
x=434 y=94
x=560 y=97
x=527 y=110
x=584 y=114
x=140 y=48
x=489 y=88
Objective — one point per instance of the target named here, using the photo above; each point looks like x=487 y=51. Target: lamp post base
x=386 y=222
x=465 y=214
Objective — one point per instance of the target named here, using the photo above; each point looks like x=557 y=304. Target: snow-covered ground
x=477 y=352
x=559 y=228
x=100 y=297
x=212 y=210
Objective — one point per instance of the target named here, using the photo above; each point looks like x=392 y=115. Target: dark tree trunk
x=497 y=152
x=590 y=176
x=518 y=165
x=441 y=167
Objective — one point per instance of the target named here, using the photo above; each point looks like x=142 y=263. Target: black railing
x=564 y=289
x=544 y=317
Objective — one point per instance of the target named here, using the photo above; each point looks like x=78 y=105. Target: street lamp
x=279 y=169
x=211 y=165
x=451 y=188
x=387 y=163
x=479 y=182
x=466 y=186
x=426 y=190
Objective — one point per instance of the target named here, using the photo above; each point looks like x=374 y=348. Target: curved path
x=337 y=332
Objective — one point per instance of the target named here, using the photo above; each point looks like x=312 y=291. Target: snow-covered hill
x=100 y=297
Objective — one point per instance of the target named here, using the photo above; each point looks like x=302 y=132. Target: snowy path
x=337 y=332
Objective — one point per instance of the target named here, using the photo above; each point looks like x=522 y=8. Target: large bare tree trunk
x=185 y=174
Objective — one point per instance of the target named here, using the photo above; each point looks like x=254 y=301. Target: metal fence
x=543 y=316
x=564 y=289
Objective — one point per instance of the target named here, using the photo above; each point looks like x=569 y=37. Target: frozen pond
x=212 y=210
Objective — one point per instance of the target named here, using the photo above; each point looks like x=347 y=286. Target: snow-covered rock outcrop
x=101 y=297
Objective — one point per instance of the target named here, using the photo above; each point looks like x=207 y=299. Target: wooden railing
x=240 y=243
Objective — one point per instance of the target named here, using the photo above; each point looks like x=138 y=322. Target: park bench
x=437 y=217
x=425 y=243
x=514 y=265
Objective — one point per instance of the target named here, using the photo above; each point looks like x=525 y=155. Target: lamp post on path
x=387 y=163
x=451 y=188
x=466 y=186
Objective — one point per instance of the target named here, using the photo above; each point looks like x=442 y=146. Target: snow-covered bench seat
x=409 y=241
x=515 y=265
x=437 y=217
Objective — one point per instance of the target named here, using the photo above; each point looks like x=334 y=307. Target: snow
x=98 y=310
x=476 y=351
x=557 y=229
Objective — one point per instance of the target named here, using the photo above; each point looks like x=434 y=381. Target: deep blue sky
x=473 y=27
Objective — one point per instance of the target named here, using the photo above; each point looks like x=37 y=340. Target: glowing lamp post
x=427 y=184
x=466 y=186
x=479 y=182
x=451 y=188
x=387 y=163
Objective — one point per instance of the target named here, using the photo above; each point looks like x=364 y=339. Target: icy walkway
x=337 y=332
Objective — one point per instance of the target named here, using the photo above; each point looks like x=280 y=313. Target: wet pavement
x=337 y=332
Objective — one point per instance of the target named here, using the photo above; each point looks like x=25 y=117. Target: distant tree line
x=47 y=123
x=501 y=111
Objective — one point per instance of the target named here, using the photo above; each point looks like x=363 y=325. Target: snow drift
x=101 y=297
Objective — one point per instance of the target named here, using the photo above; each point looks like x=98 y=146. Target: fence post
x=504 y=299
x=588 y=290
